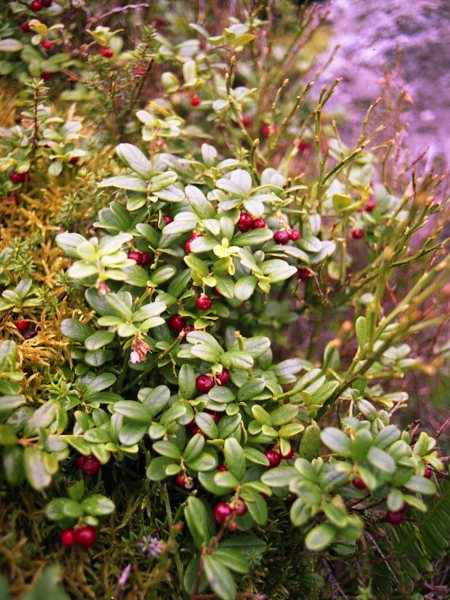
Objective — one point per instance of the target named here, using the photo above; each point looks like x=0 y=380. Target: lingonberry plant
x=223 y=326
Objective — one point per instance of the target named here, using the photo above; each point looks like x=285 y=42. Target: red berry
x=203 y=302
x=196 y=430
x=80 y=462
x=215 y=415
x=85 y=536
x=159 y=22
x=222 y=468
x=217 y=293
x=289 y=454
x=303 y=274
x=258 y=224
x=204 y=383
x=91 y=465
x=16 y=177
x=359 y=484
x=281 y=237
x=176 y=322
x=36 y=5
x=47 y=44
x=25 y=27
x=136 y=256
x=167 y=219
x=246 y=121
x=26 y=176
x=181 y=480
x=357 y=234
x=67 y=537
x=194 y=236
x=428 y=473
x=29 y=333
x=106 y=52
x=233 y=526
x=74 y=160
x=46 y=75
x=22 y=324
x=224 y=377
x=303 y=146
x=13 y=199
x=240 y=508
x=265 y=130
x=47 y=3
x=222 y=512
x=245 y=222
x=145 y=258
x=294 y=235
x=273 y=456
x=395 y=518
x=370 y=205
x=195 y=101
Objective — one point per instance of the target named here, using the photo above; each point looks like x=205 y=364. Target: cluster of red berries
x=25 y=328
x=82 y=536
x=88 y=464
x=204 y=383
x=283 y=236
x=193 y=237
x=274 y=457
x=17 y=178
x=38 y=5
x=247 y=222
x=141 y=258
x=224 y=513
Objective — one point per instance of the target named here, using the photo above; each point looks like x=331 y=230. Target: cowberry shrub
x=232 y=213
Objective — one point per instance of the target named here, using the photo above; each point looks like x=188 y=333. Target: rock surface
x=370 y=33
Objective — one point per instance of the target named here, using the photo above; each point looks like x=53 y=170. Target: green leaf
x=168 y=449
x=320 y=537
x=13 y=465
x=133 y=410
x=35 y=468
x=98 y=505
x=261 y=415
x=131 y=432
x=244 y=287
x=198 y=521
x=362 y=332
x=381 y=460
x=232 y=559
x=207 y=461
x=309 y=447
x=421 y=485
x=337 y=441
x=238 y=360
x=156 y=470
x=199 y=203
x=234 y=458
x=125 y=182
x=283 y=414
x=207 y=424
x=77 y=331
x=134 y=159
x=251 y=389
x=279 y=476
x=219 y=578
x=194 y=448
x=255 y=237
x=47 y=586
x=186 y=382
x=257 y=506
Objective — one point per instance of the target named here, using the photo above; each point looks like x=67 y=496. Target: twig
x=119 y=9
